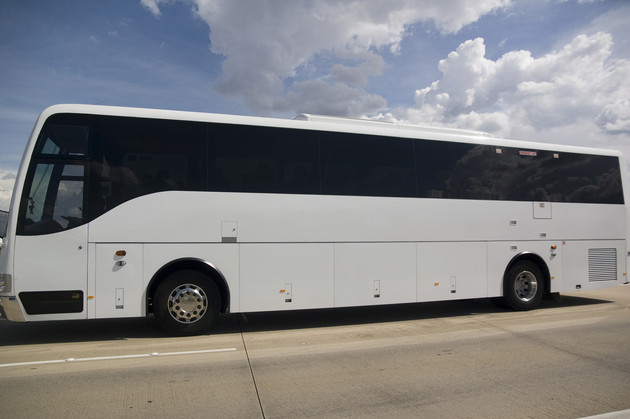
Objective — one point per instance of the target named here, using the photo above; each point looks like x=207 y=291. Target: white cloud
x=266 y=42
x=152 y=6
x=578 y=85
x=320 y=97
x=615 y=117
x=270 y=45
x=367 y=64
x=7 y=181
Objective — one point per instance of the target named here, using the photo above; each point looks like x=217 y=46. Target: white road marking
x=106 y=358
x=622 y=414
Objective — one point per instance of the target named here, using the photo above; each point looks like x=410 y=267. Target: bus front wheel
x=186 y=302
x=523 y=286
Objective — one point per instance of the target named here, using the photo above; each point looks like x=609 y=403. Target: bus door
x=51 y=253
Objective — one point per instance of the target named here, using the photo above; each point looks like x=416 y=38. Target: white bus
x=121 y=212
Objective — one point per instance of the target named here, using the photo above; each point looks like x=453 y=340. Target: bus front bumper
x=11 y=310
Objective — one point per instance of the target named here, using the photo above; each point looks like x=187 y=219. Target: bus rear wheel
x=523 y=286
x=186 y=303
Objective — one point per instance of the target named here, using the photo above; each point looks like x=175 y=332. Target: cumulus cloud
x=152 y=6
x=319 y=56
x=7 y=180
x=615 y=117
x=577 y=84
x=320 y=97
x=367 y=64
x=266 y=42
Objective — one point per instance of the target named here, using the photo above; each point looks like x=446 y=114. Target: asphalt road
x=567 y=359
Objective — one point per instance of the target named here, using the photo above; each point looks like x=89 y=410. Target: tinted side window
x=522 y=175
x=354 y=164
x=539 y=175
x=590 y=179
x=468 y=171
x=64 y=135
x=53 y=198
x=262 y=159
x=135 y=157
x=455 y=171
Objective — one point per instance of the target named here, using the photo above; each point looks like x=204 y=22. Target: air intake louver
x=602 y=264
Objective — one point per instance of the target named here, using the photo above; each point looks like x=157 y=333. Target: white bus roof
x=371 y=122
x=324 y=123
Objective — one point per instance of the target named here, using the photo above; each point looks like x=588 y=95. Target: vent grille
x=602 y=264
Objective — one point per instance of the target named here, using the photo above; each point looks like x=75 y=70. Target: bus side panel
x=593 y=264
x=118 y=286
x=374 y=273
x=452 y=271
x=223 y=257
x=286 y=276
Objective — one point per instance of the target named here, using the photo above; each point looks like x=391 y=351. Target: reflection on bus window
x=55 y=200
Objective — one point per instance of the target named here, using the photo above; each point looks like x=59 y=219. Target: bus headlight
x=5 y=282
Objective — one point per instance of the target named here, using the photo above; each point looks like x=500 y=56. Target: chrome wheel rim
x=525 y=286
x=187 y=303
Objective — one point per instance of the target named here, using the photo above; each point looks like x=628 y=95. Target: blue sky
x=540 y=70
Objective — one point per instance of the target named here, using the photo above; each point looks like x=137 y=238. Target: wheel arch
x=200 y=265
x=536 y=259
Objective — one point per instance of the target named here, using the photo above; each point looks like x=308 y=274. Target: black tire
x=523 y=286
x=186 y=303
